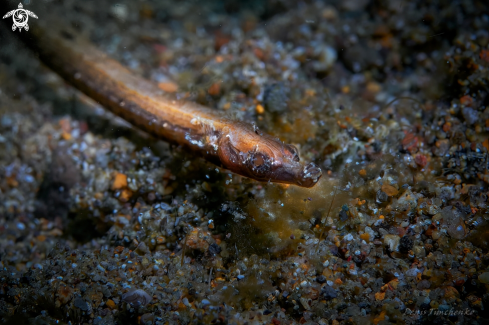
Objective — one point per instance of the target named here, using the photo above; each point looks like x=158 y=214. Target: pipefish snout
x=236 y=146
x=249 y=152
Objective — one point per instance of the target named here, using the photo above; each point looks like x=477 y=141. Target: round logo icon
x=20 y=17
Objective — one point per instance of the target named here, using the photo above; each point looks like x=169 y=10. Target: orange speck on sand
x=310 y=92
x=12 y=182
x=362 y=172
x=393 y=284
x=41 y=238
x=410 y=141
x=260 y=109
x=338 y=281
x=65 y=125
x=380 y=296
x=484 y=55
x=120 y=181
x=168 y=86
x=125 y=195
x=66 y=136
x=343 y=126
x=98 y=196
x=379 y=318
x=259 y=53
x=450 y=292
x=111 y=304
x=214 y=89
x=381 y=216
x=365 y=236
x=373 y=87
x=466 y=100
x=389 y=190
x=160 y=240
x=181 y=306
x=485 y=144
x=446 y=127
x=420 y=160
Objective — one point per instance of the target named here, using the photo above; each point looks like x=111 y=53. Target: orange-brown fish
x=236 y=146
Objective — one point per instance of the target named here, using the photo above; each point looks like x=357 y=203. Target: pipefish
x=236 y=146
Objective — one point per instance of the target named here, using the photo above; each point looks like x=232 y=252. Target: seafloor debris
x=136 y=298
x=101 y=224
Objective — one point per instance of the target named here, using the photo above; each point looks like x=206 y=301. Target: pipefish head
x=247 y=151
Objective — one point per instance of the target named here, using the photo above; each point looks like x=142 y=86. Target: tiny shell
x=137 y=297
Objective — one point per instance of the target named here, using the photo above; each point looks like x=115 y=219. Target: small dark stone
x=321 y=279
x=275 y=98
x=471 y=115
x=457 y=137
x=328 y=292
x=405 y=244
x=342 y=306
x=80 y=303
x=423 y=284
x=104 y=312
x=460 y=205
x=334 y=250
x=214 y=249
x=165 y=207
x=137 y=297
x=362 y=305
x=267 y=312
x=377 y=146
x=381 y=196
x=359 y=259
x=343 y=215
x=82 y=286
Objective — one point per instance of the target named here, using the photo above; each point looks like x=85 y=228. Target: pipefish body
x=237 y=146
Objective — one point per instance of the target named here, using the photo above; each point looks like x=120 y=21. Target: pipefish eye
x=295 y=153
x=259 y=163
